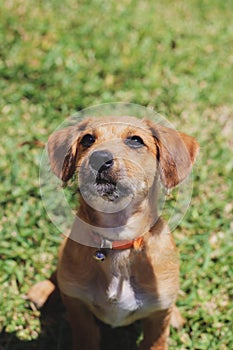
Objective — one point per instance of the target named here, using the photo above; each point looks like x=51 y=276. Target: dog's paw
x=177 y=321
x=40 y=292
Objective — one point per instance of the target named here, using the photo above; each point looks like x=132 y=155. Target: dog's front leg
x=85 y=332
x=156 y=331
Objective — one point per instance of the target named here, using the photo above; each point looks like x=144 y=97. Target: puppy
x=119 y=263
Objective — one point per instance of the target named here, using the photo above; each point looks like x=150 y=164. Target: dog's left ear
x=176 y=153
x=62 y=149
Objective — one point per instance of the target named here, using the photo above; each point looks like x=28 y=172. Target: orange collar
x=136 y=243
x=100 y=254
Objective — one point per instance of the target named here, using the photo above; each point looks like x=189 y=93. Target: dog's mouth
x=108 y=187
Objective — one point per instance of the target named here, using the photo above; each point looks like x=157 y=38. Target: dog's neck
x=129 y=223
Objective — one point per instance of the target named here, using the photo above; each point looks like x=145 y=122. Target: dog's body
x=119 y=162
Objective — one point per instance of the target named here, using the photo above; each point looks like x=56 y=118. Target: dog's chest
x=121 y=300
x=121 y=291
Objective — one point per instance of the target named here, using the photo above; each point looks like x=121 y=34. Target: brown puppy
x=119 y=263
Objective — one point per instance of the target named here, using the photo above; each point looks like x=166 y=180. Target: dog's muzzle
x=100 y=176
x=101 y=164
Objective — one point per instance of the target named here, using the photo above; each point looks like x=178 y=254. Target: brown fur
x=152 y=272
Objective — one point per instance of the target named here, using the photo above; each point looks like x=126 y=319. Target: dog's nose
x=101 y=160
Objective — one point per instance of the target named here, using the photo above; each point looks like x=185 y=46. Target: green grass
x=57 y=57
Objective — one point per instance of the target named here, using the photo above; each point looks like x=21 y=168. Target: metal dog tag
x=99 y=255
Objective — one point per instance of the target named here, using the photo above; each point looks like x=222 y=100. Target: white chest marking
x=121 y=292
x=122 y=299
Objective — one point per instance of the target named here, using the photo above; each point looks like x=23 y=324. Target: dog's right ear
x=176 y=153
x=62 y=149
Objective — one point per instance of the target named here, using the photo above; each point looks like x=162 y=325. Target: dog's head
x=117 y=158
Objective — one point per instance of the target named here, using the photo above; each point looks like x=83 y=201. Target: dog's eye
x=87 y=140
x=134 y=141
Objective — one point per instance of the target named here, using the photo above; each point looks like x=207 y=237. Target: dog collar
x=125 y=244
x=136 y=243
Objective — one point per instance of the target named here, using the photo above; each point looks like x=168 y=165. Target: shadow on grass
x=56 y=335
